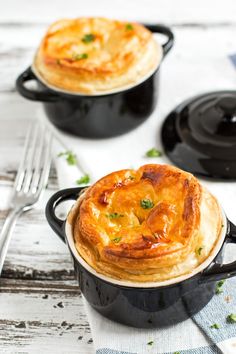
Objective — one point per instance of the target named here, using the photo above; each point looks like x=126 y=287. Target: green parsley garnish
x=146 y=204
x=129 y=27
x=222 y=225
x=88 y=38
x=176 y=352
x=70 y=157
x=114 y=216
x=219 y=287
x=58 y=62
x=116 y=240
x=231 y=318
x=83 y=180
x=80 y=56
x=199 y=251
x=215 y=326
x=153 y=153
x=131 y=178
x=150 y=343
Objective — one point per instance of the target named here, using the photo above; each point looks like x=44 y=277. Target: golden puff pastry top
x=152 y=224
x=96 y=55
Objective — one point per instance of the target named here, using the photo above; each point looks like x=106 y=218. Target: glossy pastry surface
x=145 y=225
x=96 y=55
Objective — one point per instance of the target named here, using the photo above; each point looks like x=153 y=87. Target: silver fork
x=30 y=181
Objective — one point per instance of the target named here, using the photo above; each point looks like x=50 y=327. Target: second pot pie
x=96 y=55
x=145 y=225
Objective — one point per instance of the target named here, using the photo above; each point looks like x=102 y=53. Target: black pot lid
x=199 y=135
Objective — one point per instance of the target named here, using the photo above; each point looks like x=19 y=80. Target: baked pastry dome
x=146 y=225
x=96 y=55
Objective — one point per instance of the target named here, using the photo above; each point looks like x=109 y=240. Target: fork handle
x=5 y=235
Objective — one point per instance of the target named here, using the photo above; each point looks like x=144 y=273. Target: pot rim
x=146 y=285
x=105 y=93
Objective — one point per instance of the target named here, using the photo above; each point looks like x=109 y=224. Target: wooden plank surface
x=42 y=317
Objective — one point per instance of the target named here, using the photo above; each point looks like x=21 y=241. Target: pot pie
x=96 y=55
x=146 y=225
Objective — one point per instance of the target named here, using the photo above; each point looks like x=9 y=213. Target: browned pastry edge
x=148 y=259
x=115 y=58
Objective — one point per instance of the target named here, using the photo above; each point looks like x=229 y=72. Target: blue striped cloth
x=113 y=338
x=232 y=57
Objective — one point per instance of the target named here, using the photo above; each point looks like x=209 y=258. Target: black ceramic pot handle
x=167 y=32
x=57 y=224
x=43 y=96
x=217 y=271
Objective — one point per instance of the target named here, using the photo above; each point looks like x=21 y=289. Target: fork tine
x=30 y=160
x=46 y=163
x=21 y=171
x=38 y=161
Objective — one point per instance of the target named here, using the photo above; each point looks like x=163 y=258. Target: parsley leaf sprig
x=69 y=156
x=150 y=343
x=146 y=204
x=129 y=27
x=114 y=215
x=199 y=251
x=215 y=326
x=88 y=38
x=219 y=286
x=231 y=318
x=83 y=180
x=153 y=153
x=80 y=56
x=116 y=239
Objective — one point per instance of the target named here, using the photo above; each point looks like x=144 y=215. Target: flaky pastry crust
x=96 y=55
x=145 y=225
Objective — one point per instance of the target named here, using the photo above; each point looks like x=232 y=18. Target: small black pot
x=141 y=305
x=98 y=116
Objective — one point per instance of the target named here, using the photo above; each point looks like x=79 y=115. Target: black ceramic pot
x=98 y=116
x=145 y=305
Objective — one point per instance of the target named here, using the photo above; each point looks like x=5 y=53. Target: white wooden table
x=41 y=309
